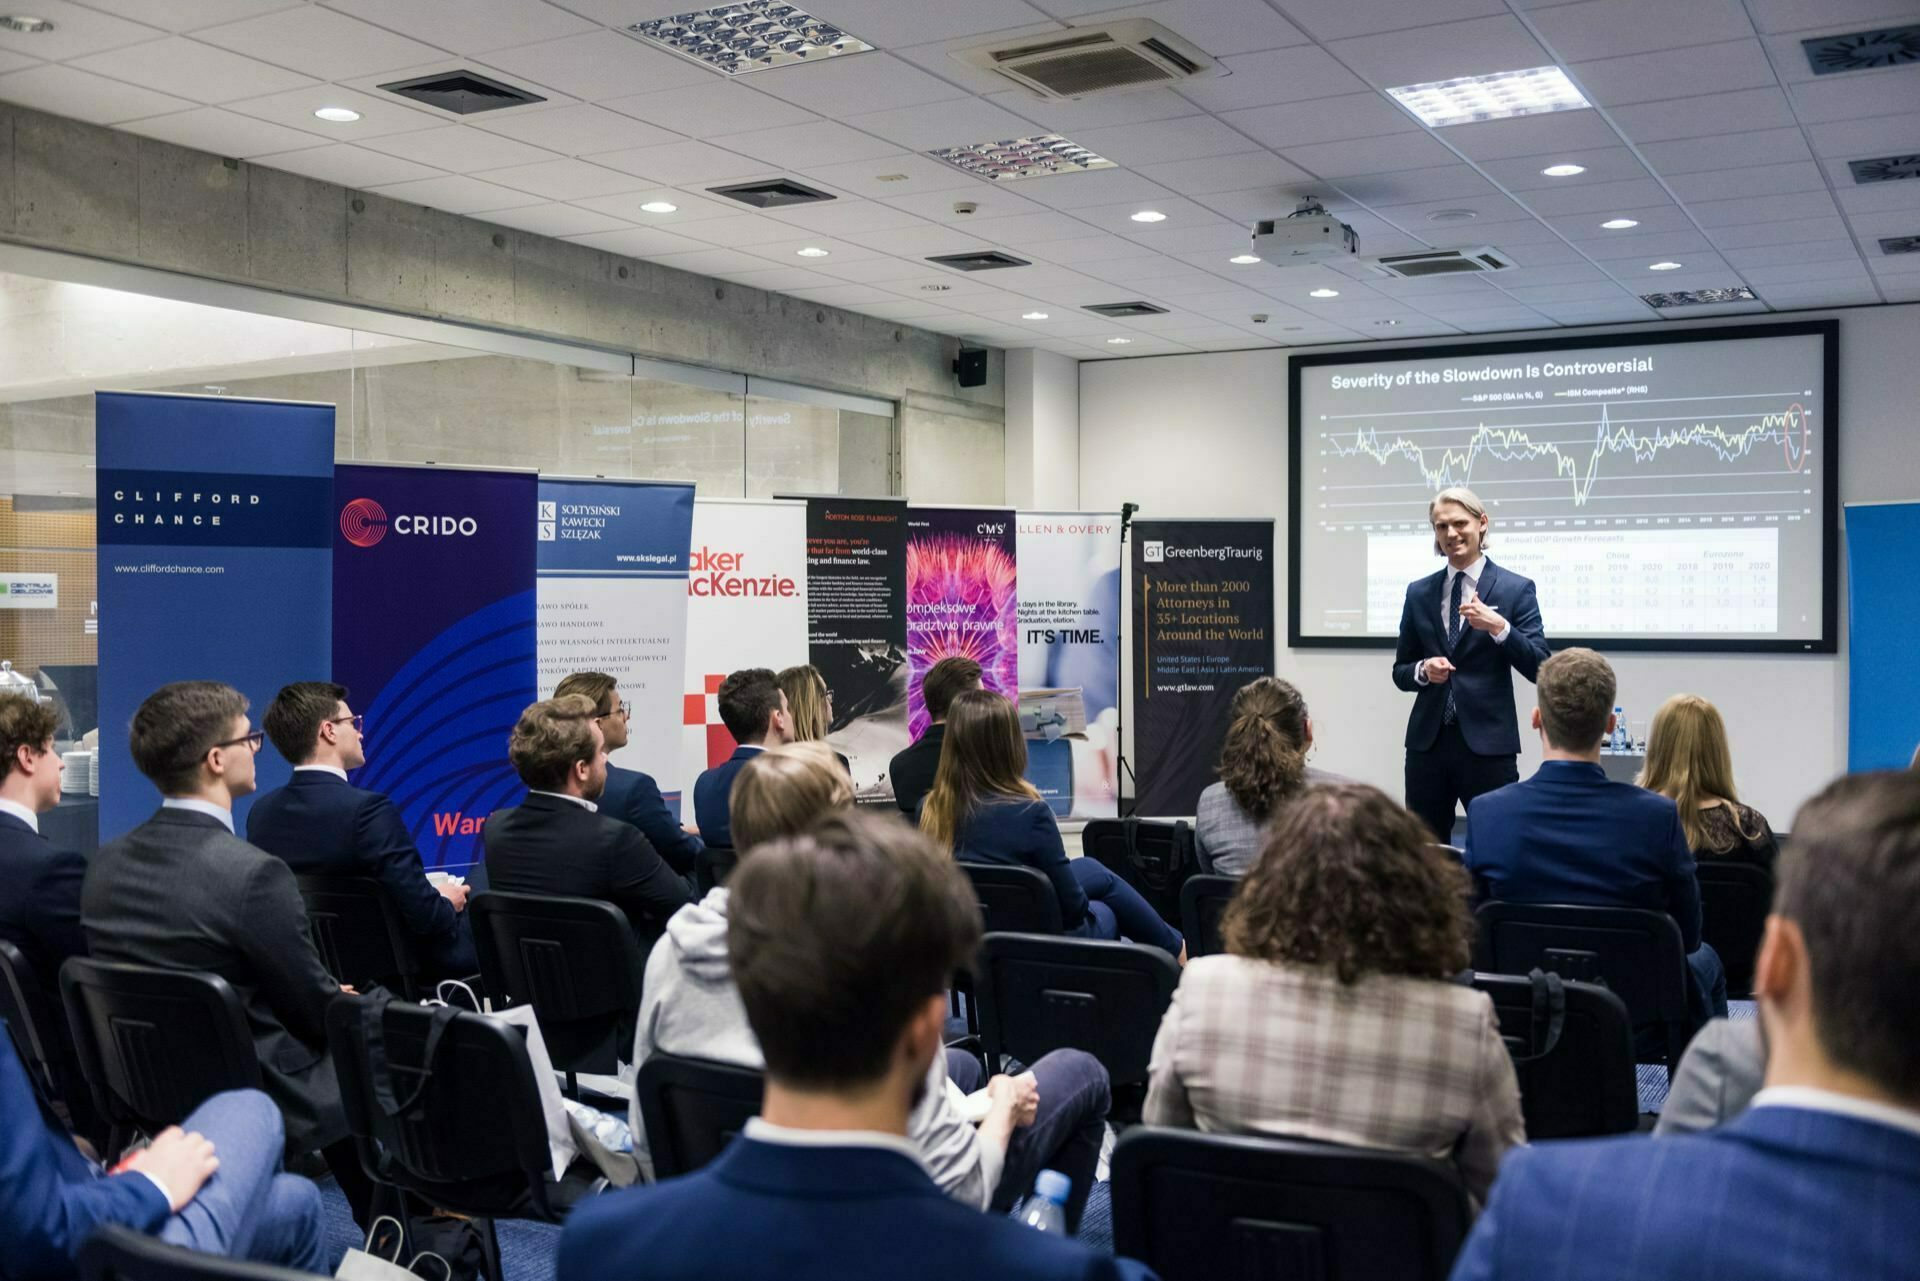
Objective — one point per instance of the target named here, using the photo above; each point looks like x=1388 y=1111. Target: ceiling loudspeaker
x=970 y=370
x=1083 y=61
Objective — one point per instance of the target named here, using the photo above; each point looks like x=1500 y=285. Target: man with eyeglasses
x=632 y=796
x=183 y=892
x=320 y=823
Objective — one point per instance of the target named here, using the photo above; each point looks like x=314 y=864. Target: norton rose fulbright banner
x=857 y=629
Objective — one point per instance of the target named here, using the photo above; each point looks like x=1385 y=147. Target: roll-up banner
x=1070 y=658
x=746 y=607
x=613 y=598
x=214 y=531
x=1883 y=616
x=1202 y=628
x=857 y=630
x=434 y=637
x=962 y=599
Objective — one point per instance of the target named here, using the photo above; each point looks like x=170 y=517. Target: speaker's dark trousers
x=1448 y=773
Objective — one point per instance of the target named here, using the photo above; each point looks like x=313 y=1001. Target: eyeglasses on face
x=623 y=712
x=359 y=722
x=253 y=740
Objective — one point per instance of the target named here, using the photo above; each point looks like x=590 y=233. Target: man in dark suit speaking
x=1462 y=631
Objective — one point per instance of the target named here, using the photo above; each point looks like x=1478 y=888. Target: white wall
x=1043 y=430
x=1206 y=435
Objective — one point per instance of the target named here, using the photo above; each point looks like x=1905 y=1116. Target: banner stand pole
x=1123 y=769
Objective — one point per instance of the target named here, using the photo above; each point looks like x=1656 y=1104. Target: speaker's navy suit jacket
x=712 y=797
x=1482 y=680
x=1777 y=1194
x=634 y=798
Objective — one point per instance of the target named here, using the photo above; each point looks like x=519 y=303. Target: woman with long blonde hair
x=811 y=704
x=983 y=809
x=1688 y=762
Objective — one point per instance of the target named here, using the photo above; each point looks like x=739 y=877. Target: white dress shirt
x=787 y=1136
x=199 y=806
x=20 y=812
x=334 y=770
x=581 y=801
x=1472 y=588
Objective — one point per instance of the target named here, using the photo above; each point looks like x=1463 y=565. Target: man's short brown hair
x=836 y=938
x=596 y=687
x=24 y=722
x=177 y=726
x=946 y=680
x=1576 y=692
x=294 y=717
x=1850 y=879
x=549 y=738
x=748 y=699
x=783 y=792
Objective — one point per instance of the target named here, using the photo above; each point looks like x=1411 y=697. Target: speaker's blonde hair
x=1459 y=496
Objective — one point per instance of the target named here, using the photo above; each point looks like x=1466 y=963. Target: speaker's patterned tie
x=1453 y=639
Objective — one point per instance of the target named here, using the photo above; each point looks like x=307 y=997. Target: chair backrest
x=1634 y=952
x=573 y=959
x=1152 y=856
x=1735 y=898
x=1200 y=1207
x=1014 y=899
x=693 y=1108
x=1039 y=993
x=116 y=1253
x=1203 y=901
x=1584 y=1085
x=474 y=1139
x=712 y=866
x=23 y=1005
x=155 y=1044
x=358 y=932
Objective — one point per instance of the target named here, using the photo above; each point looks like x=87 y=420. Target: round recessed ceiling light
x=1620 y=224
x=659 y=206
x=1241 y=260
x=1563 y=171
x=1453 y=215
x=1323 y=293
x=1119 y=342
x=1664 y=266
x=813 y=251
x=1149 y=215
x=26 y=23
x=1033 y=315
x=338 y=115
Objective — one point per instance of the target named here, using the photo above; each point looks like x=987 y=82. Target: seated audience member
x=754 y=709
x=1263 y=764
x=912 y=770
x=1722 y=1070
x=1571 y=835
x=1811 y=1179
x=182 y=892
x=810 y=704
x=556 y=842
x=1050 y=1117
x=320 y=823
x=1333 y=1016
x=1689 y=764
x=847 y=1004
x=984 y=810
x=214 y=1186
x=630 y=795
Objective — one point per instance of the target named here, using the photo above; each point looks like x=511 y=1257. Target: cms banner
x=962 y=599
x=1202 y=628
x=613 y=598
x=215 y=563
x=434 y=638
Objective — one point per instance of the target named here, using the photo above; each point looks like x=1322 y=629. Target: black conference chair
x=1154 y=857
x=1014 y=899
x=358 y=932
x=155 y=1044
x=116 y=1253
x=1634 y=952
x=1201 y=1207
x=1203 y=901
x=693 y=1108
x=24 y=1006
x=1735 y=898
x=1039 y=993
x=444 y=1104
x=712 y=866
x=1575 y=1066
x=574 y=960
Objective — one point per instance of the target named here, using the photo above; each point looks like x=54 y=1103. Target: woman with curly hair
x=1263 y=763
x=1332 y=1016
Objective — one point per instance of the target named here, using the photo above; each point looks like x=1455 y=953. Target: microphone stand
x=1123 y=769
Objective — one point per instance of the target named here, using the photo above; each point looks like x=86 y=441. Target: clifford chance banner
x=1070 y=659
x=857 y=630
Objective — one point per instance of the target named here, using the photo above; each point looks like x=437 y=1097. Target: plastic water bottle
x=1045 y=1210
x=1621 y=742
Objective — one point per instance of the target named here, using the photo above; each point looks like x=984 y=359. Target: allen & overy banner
x=434 y=636
x=1070 y=658
x=613 y=598
x=1202 y=628
x=215 y=549
x=857 y=629
x=962 y=599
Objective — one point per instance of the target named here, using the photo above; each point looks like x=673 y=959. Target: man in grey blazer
x=182 y=892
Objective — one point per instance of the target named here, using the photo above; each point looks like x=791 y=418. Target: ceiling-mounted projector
x=1308 y=234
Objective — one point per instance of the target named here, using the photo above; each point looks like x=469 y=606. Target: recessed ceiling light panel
x=753 y=35
x=1040 y=156
x=1453 y=215
x=1619 y=224
x=659 y=207
x=1242 y=260
x=1033 y=315
x=1119 y=342
x=1323 y=293
x=1149 y=215
x=813 y=251
x=1499 y=96
x=1697 y=297
x=1563 y=171
x=338 y=115
x=1665 y=266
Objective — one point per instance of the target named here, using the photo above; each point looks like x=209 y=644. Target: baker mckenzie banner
x=857 y=629
x=962 y=599
x=613 y=598
x=434 y=635
x=215 y=550
x=1202 y=628
x=1070 y=658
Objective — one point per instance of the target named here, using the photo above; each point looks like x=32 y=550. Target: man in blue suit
x=1819 y=1178
x=754 y=709
x=631 y=796
x=848 y=1005
x=1570 y=834
x=1463 y=632
x=320 y=823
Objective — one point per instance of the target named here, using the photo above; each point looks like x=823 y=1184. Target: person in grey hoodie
x=1052 y=1116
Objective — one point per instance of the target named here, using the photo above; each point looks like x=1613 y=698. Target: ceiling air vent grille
x=774 y=193
x=1697 y=297
x=1885 y=168
x=1123 y=309
x=462 y=92
x=1863 y=50
x=985 y=260
x=1440 y=262
x=1900 y=245
x=1134 y=54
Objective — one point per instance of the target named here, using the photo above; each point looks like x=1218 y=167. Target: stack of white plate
x=93 y=773
x=79 y=773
